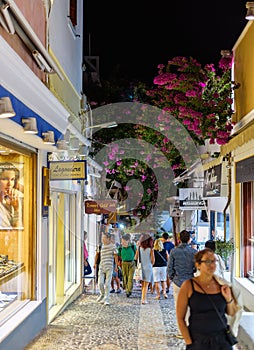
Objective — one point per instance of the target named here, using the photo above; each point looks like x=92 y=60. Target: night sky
x=137 y=36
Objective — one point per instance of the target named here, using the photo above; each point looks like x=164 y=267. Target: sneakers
x=167 y=290
x=118 y=291
x=112 y=291
x=106 y=303
x=100 y=298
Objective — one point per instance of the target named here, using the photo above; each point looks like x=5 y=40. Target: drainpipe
x=229 y=164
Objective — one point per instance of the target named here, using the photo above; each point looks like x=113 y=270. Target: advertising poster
x=11 y=195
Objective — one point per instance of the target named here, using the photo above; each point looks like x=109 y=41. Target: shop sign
x=191 y=199
x=68 y=170
x=100 y=206
x=212 y=182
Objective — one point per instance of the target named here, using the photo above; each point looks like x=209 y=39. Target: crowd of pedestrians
x=194 y=276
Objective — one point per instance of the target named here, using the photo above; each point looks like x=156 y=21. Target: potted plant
x=225 y=249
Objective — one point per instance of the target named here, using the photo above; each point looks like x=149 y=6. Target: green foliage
x=225 y=249
x=198 y=97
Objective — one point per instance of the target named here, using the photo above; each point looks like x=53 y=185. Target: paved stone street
x=123 y=325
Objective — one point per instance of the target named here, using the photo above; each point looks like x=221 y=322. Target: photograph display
x=11 y=195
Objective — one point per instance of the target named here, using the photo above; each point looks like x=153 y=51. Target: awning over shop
x=238 y=140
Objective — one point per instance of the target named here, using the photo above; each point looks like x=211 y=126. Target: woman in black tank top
x=205 y=329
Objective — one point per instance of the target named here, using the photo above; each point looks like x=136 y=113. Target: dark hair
x=210 y=244
x=148 y=243
x=199 y=255
x=107 y=234
x=184 y=236
x=165 y=235
x=126 y=237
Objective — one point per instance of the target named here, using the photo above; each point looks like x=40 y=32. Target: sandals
x=157 y=297
x=143 y=302
x=165 y=296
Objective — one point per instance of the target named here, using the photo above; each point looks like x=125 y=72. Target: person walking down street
x=115 y=277
x=168 y=245
x=127 y=253
x=108 y=253
x=87 y=266
x=97 y=260
x=202 y=295
x=181 y=265
x=220 y=265
x=160 y=268
x=147 y=260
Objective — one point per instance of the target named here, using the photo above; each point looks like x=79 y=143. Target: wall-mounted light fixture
x=6 y=109
x=67 y=136
x=226 y=53
x=6 y=20
x=74 y=144
x=104 y=125
x=29 y=125
x=62 y=145
x=42 y=63
x=83 y=151
x=48 y=137
x=250 y=11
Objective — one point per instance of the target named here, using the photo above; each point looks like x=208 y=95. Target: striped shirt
x=107 y=256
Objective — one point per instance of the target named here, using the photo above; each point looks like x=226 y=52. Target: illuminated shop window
x=17 y=227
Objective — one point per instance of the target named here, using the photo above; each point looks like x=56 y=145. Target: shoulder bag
x=138 y=271
x=232 y=340
x=161 y=256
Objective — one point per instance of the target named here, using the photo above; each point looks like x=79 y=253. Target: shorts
x=160 y=274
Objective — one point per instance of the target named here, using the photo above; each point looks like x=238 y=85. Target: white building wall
x=68 y=50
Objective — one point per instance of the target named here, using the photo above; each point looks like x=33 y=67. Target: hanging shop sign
x=191 y=199
x=100 y=207
x=68 y=170
x=212 y=182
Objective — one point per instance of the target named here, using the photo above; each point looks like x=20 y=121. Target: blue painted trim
x=22 y=111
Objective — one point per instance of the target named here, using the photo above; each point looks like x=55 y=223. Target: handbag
x=138 y=271
x=87 y=268
x=232 y=340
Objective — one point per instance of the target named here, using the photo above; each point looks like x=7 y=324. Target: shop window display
x=16 y=195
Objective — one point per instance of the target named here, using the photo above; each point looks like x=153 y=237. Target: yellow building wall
x=244 y=72
x=65 y=92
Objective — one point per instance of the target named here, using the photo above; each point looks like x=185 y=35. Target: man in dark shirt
x=181 y=264
x=168 y=245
